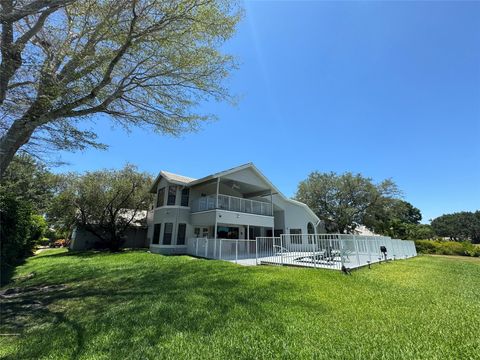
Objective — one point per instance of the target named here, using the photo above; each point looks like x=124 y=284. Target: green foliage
x=15 y=233
x=441 y=247
x=144 y=306
x=344 y=201
x=26 y=190
x=38 y=227
x=393 y=217
x=30 y=180
x=459 y=226
x=419 y=231
x=104 y=202
x=143 y=63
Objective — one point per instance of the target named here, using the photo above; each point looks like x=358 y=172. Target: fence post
x=281 y=249
x=256 y=251
x=206 y=247
x=220 y=251
x=214 y=248
x=355 y=244
x=313 y=245
x=342 y=252
x=369 y=245
x=236 y=252
x=196 y=246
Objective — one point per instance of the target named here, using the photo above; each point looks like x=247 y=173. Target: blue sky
x=387 y=89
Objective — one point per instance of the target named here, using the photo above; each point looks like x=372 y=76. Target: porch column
x=216 y=217
x=271 y=202
x=271 y=205
x=218 y=189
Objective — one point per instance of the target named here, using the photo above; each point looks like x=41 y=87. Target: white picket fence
x=330 y=251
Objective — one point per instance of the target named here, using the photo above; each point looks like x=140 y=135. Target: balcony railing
x=232 y=203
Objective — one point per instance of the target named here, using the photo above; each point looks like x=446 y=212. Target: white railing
x=328 y=251
x=224 y=249
x=231 y=203
x=332 y=251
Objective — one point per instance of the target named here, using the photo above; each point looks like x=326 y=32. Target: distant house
x=239 y=203
x=135 y=235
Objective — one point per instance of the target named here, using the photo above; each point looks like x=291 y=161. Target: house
x=239 y=203
x=134 y=237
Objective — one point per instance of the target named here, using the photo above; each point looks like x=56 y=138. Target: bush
x=440 y=247
x=20 y=232
x=16 y=242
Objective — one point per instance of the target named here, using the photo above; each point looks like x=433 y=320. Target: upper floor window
x=160 y=197
x=185 y=196
x=172 y=195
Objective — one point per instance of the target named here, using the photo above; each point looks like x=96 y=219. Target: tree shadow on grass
x=198 y=298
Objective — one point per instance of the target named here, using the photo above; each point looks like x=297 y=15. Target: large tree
x=140 y=62
x=104 y=203
x=343 y=201
x=459 y=226
x=393 y=217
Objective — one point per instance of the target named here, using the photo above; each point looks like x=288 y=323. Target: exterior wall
x=296 y=216
x=175 y=214
x=247 y=176
x=136 y=237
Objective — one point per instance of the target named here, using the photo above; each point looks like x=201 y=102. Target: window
x=311 y=232
x=160 y=197
x=156 y=233
x=296 y=236
x=226 y=232
x=185 y=196
x=196 y=231
x=167 y=234
x=172 y=195
x=182 y=228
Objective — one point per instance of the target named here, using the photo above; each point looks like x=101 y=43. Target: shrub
x=20 y=232
x=440 y=247
x=16 y=244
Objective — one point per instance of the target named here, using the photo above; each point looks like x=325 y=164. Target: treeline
x=346 y=201
x=461 y=226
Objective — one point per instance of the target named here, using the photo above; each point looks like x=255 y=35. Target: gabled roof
x=178 y=178
x=183 y=180
x=172 y=178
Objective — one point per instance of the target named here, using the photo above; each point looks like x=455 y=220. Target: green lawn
x=137 y=305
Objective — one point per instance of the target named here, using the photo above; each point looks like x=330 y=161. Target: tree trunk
x=18 y=135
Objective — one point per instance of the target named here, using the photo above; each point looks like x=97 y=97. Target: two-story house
x=239 y=203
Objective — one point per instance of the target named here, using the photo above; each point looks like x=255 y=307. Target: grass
x=136 y=305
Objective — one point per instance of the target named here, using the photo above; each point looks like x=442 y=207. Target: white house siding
x=247 y=176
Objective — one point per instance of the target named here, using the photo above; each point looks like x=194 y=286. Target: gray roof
x=177 y=178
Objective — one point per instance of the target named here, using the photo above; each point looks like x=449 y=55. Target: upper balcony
x=231 y=203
